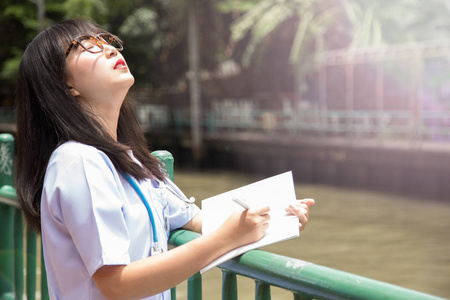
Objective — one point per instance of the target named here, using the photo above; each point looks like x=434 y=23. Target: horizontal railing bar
x=305 y=278
x=9 y=202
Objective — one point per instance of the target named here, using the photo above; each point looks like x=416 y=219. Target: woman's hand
x=170 y=268
x=300 y=209
x=245 y=227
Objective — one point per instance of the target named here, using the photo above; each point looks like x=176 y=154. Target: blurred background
x=353 y=96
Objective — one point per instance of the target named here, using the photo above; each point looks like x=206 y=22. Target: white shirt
x=91 y=216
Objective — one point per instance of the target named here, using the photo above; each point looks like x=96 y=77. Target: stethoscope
x=156 y=249
x=179 y=194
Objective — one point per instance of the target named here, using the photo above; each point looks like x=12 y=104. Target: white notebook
x=277 y=192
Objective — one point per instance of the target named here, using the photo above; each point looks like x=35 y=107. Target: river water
x=385 y=237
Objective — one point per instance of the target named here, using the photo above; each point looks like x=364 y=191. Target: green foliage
x=140 y=24
x=142 y=42
x=11 y=66
x=18 y=25
x=234 y=6
x=261 y=34
x=311 y=19
x=310 y=26
x=261 y=21
x=94 y=9
x=24 y=14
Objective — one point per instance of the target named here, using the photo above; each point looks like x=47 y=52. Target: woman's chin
x=127 y=80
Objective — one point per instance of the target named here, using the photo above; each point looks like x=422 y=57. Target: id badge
x=166 y=220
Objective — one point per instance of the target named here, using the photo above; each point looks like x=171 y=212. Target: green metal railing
x=305 y=280
x=22 y=271
x=21 y=260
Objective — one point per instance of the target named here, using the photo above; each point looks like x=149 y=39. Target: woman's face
x=100 y=80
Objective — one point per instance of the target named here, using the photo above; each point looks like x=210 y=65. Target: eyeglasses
x=94 y=43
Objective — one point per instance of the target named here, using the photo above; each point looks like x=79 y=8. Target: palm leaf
x=241 y=26
x=311 y=26
x=265 y=25
x=300 y=37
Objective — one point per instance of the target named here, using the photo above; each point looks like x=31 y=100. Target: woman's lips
x=120 y=64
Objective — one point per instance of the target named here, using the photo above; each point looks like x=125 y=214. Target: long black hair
x=48 y=115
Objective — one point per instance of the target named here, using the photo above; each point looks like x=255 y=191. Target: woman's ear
x=73 y=91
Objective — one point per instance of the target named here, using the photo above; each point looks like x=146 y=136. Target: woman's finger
x=308 y=201
x=264 y=210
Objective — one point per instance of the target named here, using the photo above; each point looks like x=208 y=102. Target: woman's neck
x=107 y=115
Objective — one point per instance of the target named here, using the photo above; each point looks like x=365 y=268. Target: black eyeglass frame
x=101 y=40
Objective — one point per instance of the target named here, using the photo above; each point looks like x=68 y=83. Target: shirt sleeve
x=180 y=212
x=87 y=199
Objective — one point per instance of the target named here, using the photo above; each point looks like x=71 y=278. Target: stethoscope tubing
x=146 y=204
x=172 y=188
x=177 y=192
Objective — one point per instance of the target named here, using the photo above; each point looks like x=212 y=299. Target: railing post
x=6 y=160
x=31 y=265
x=166 y=158
x=173 y=293
x=195 y=287
x=7 y=252
x=7 y=166
x=262 y=291
x=229 y=285
x=301 y=297
x=44 y=285
x=7 y=220
x=18 y=253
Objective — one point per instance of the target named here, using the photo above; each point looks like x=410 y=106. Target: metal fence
x=21 y=269
x=369 y=124
x=305 y=280
x=22 y=272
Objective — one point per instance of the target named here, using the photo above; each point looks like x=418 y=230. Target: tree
x=18 y=24
x=300 y=22
x=318 y=25
x=147 y=38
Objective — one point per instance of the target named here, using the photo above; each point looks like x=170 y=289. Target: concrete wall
x=421 y=171
x=409 y=171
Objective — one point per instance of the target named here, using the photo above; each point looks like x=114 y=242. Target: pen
x=241 y=202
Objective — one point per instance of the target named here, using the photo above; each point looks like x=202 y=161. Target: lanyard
x=155 y=249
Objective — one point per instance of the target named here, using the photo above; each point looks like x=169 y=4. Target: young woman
x=88 y=183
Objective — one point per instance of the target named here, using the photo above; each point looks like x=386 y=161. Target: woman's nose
x=110 y=51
